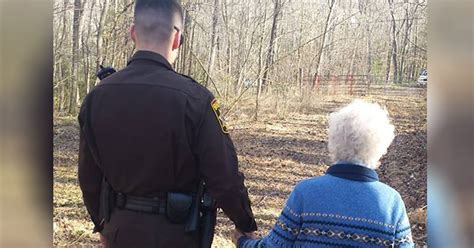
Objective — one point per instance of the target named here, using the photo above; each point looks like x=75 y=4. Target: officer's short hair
x=154 y=19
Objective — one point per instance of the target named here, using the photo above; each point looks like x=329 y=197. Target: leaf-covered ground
x=274 y=153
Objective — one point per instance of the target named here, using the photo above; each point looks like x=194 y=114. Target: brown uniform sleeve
x=90 y=175
x=219 y=167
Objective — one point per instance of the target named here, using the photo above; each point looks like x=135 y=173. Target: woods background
x=246 y=50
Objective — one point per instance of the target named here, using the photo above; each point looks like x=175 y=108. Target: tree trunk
x=260 y=80
x=353 y=59
x=226 y=17
x=87 y=49
x=191 y=46
x=184 y=49
x=323 y=42
x=113 y=38
x=368 y=72
x=414 y=69
x=214 y=37
x=300 y=81
x=64 y=81
x=100 y=30
x=74 y=100
x=261 y=67
x=394 y=43
x=404 y=47
x=243 y=48
x=271 y=47
x=389 y=60
x=62 y=87
x=299 y=53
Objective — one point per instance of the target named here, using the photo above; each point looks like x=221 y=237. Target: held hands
x=237 y=234
x=103 y=241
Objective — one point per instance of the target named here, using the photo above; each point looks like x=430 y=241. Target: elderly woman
x=349 y=206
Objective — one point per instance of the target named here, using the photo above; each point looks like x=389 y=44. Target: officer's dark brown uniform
x=153 y=130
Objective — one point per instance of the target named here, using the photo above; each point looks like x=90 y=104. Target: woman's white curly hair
x=361 y=131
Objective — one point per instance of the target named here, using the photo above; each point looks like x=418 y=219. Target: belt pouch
x=178 y=207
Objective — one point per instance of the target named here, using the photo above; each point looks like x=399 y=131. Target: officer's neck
x=166 y=53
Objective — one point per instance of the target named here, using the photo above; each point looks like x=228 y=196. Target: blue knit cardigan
x=347 y=207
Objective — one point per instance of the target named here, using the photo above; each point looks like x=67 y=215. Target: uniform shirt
x=151 y=130
x=347 y=207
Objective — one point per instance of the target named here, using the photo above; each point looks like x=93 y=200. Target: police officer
x=148 y=131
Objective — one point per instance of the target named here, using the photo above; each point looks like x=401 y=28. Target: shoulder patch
x=216 y=108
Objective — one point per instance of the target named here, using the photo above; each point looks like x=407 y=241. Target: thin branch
x=207 y=74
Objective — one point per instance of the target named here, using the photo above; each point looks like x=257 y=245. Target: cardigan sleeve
x=403 y=236
x=286 y=229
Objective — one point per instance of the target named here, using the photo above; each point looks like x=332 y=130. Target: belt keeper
x=120 y=200
x=162 y=208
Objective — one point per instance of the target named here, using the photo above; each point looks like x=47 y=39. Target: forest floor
x=274 y=153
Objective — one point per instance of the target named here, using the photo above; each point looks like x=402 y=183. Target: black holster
x=202 y=219
x=107 y=201
x=208 y=221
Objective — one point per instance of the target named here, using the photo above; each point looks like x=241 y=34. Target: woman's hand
x=236 y=235
x=103 y=241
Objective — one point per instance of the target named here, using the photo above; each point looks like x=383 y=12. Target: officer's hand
x=103 y=240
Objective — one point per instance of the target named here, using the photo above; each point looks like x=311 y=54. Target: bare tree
x=63 y=77
x=76 y=36
x=323 y=40
x=363 y=5
x=272 y=46
x=393 y=49
x=214 y=38
x=409 y=20
x=86 y=51
x=100 y=29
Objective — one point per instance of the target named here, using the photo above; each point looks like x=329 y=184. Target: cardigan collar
x=150 y=57
x=352 y=171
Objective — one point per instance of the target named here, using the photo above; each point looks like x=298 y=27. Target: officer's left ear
x=176 y=40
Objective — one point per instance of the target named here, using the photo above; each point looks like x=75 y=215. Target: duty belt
x=155 y=205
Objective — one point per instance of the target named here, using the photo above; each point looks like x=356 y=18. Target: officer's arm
x=90 y=176
x=219 y=167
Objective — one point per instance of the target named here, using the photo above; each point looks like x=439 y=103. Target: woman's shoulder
x=388 y=190
x=305 y=183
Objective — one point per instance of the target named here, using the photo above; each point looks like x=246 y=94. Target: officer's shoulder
x=194 y=88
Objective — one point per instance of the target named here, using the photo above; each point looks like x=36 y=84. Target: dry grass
x=286 y=145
